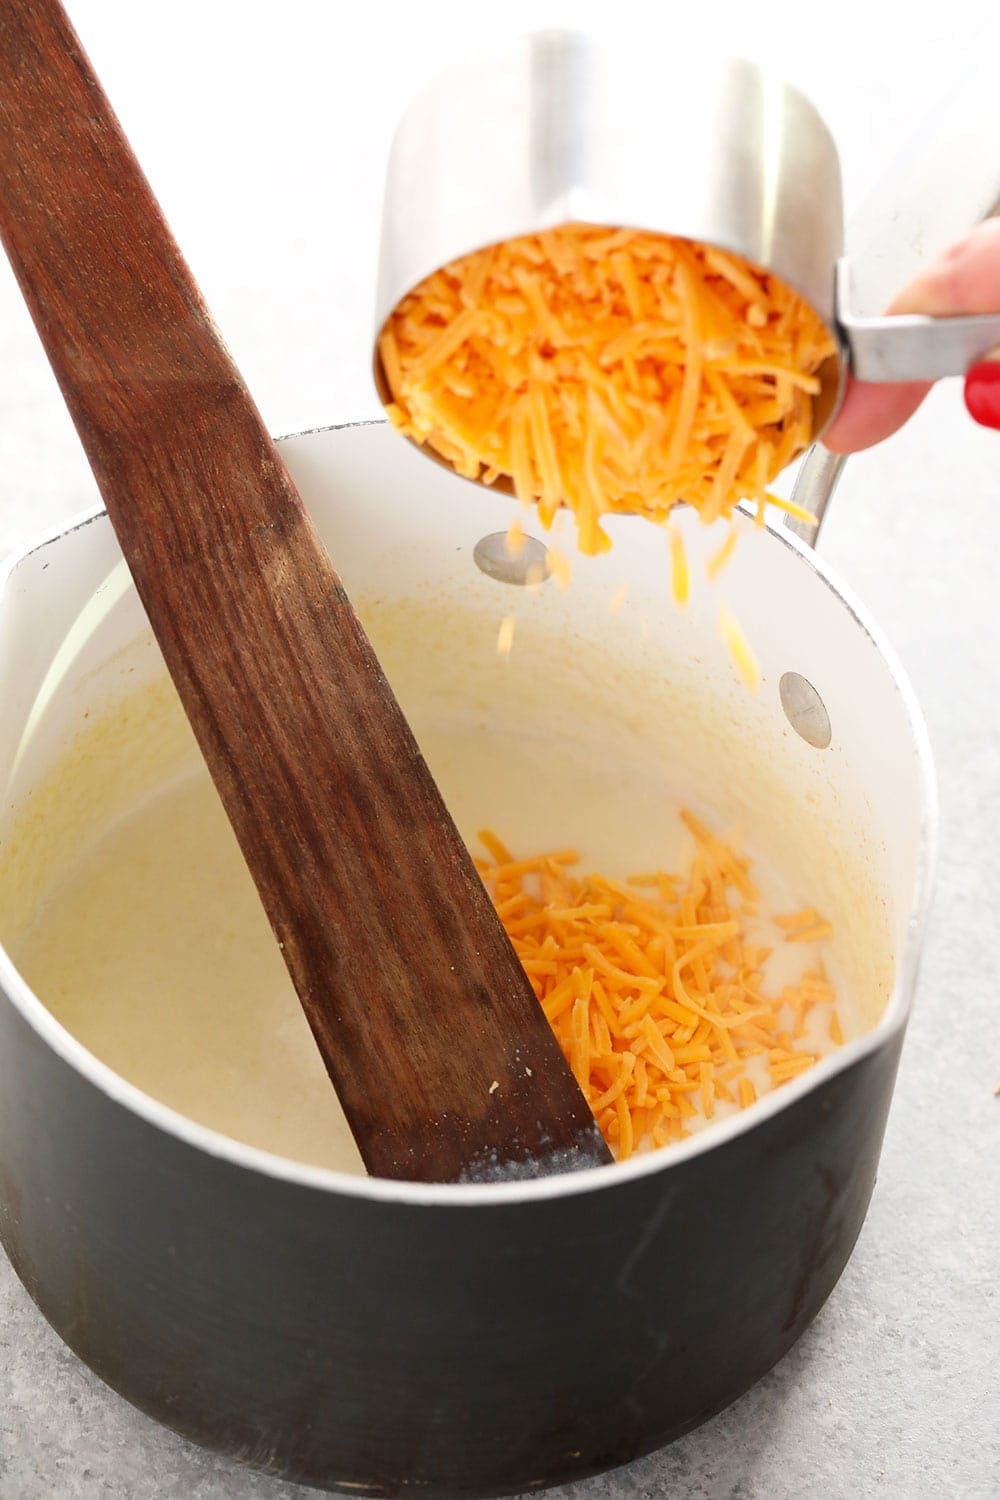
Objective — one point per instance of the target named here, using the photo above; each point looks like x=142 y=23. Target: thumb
x=965 y=279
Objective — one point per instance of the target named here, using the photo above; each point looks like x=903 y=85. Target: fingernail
x=982 y=393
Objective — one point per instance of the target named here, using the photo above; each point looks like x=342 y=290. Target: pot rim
x=484 y=1195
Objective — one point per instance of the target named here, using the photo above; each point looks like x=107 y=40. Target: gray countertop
x=895 y=1389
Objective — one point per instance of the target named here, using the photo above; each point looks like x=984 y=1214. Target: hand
x=964 y=280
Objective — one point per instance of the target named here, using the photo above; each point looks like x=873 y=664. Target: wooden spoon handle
x=428 y=1026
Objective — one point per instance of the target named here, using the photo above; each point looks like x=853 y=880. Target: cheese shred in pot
x=654 y=987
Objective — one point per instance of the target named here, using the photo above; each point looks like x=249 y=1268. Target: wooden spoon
x=441 y=1055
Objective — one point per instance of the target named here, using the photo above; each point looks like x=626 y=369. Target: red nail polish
x=982 y=392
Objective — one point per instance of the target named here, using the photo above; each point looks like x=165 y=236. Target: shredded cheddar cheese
x=617 y=599
x=739 y=648
x=680 y=572
x=717 y=562
x=607 y=371
x=505 y=636
x=514 y=540
x=654 y=986
x=559 y=566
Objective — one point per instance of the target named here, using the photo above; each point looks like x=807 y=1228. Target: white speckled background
x=264 y=129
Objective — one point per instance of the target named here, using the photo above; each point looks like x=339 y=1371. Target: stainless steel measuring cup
x=562 y=129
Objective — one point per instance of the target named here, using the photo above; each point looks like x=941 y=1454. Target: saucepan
x=381 y=1337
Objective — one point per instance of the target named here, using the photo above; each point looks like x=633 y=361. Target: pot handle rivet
x=805 y=710
x=492 y=555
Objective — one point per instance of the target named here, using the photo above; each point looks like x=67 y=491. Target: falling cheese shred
x=739 y=648
x=505 y=636
x=655 y=986
x=607 y=371
x=680 y=572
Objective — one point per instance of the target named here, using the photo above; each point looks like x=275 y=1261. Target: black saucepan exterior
x=455 y=1350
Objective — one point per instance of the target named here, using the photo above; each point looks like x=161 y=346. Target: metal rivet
x=805 y=710
x=492 y=557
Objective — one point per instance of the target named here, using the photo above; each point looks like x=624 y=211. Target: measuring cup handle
x=911 y=347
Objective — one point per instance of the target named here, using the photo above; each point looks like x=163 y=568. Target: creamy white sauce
x=154 y=951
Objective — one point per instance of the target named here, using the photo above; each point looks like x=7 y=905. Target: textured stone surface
x=895 y=1391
